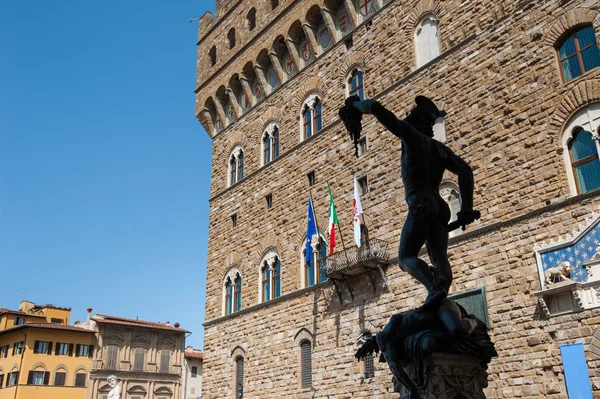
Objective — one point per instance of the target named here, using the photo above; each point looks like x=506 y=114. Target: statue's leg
x=437 y=248
x=414 y=234
x=457 y=326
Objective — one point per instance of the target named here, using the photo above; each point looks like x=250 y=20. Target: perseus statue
x=423 y=162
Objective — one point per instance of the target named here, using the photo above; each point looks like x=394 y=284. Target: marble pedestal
x=449 y=376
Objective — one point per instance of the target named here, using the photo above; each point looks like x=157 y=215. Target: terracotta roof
x=19 y=312
x=101 y=318
x=50 y=306
x=49 y=326
x=194 y=355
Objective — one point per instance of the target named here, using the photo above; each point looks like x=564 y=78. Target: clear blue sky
x=104 y=171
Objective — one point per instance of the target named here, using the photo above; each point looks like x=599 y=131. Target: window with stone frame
x=80 y=378
x=312 y=118
x=236 y=165
x=233 y=292
x=581 y=148
x=251 y=19
x=578 y=53
x=314 y=271
x=270 y=275
x=427 y=41
x=212 y=54
x=112 y=356
x=270 y=143
x=239 y=377
x=165 y=360
x=138 y=362
x=231 y=38
x=306 y=364
x=60 y=377
x=354 y=83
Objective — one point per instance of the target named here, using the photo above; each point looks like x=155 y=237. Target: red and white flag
x=333 y=221
x=357 y=211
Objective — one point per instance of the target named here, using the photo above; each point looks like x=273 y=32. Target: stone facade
x=146 y=358
x=499 y=80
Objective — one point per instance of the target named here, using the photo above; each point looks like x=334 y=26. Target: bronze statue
x=439 y=322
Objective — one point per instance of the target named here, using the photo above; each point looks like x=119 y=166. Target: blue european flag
x=311 y=230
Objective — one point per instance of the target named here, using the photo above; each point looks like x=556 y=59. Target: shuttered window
x=59 y=378
x=138 y=364
x=306 y=363
x=82 y=350
x=80 y=379
x=112 y=356
x=239 y=377
x=165 y=356
x=12 y=379
x=1 y=380
x=38 y=378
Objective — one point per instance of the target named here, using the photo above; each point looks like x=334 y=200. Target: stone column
x=248 y=91
x=293 y=49
x=234 y=102
x=260 y=75
x=312 y=39
x=329 y=18
x=352 y=11
x=277 y=65
x=449 y=376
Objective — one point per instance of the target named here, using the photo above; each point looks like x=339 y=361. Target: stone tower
x=520 y=83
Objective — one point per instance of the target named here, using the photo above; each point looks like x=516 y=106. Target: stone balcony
x=350 y=262
x=126 y=366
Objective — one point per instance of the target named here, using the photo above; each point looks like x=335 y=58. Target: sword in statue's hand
x=464 y=218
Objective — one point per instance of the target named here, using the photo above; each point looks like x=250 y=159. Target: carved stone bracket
x=448 y=376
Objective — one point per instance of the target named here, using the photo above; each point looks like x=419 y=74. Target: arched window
x=239 y=377
x=314 y=271
x=312 y=120
x=578 y=53
x=270 y=143
x=355 y=84
x=60 y=377
x=450 y=193
x=231 y=37
x=306 y=363
x=427 y=42
x=251 y=19
x=233 y=294
x=212 y=54
x=236 y=166
x=580 y=141
x=270 y=274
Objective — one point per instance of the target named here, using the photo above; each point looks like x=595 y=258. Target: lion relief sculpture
x=558 y=274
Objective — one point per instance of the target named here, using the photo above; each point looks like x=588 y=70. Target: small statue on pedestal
x=439 y=323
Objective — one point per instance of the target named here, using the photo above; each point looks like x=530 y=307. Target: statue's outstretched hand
x=465 y=217
x=364 y=106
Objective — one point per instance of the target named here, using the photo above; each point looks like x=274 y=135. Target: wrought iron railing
x=374 y=251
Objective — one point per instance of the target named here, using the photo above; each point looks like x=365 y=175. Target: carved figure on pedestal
x=558 y=274
x=115 y=392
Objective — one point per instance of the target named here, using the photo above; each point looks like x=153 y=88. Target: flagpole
x=340 y=231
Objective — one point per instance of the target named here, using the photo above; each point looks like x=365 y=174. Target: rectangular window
x=194 y=371
x=311 y=178
x=12 y=379
x=3 y=351
x=61 y=349
x=80 y=379
x=234 y=219
x=82 y=350
x=138 y=364
x=36 y=378
x=112 y=357
x=239 y=377
x=165 y=357
x=363 y=185
x=269 y=199
x=18 y=348
x=41 y=347
x=56 y=321
x=1 y=380
x=306 y=364
x=19 y=321
x=60 y=378
x=362 y=145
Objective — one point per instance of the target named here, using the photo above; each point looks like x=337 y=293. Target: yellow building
x=41 y=355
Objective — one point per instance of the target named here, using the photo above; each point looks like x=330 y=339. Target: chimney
x=167 y=323
x=177 y=324
x=89 y=316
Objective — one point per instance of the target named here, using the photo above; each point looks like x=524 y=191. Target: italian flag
x=333 y=220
